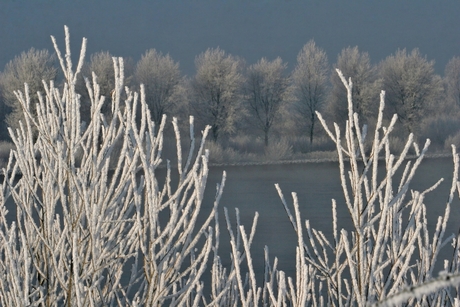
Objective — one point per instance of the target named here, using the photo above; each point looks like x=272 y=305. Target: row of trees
x=232 y=96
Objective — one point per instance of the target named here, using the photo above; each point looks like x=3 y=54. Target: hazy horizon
x=249 y=29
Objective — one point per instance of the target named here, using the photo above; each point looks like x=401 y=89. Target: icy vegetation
x=87 y=220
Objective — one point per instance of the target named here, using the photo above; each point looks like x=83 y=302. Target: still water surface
x=251 y=188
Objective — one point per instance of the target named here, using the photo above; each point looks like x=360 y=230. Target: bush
x=439 y=129
x=245 y=144
x=218 y=154
x=88 y=211
x=278 y=150
x=388 y=255
x=452 y=140
x=397 y=145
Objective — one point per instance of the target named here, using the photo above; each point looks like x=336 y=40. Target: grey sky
x=248 y=28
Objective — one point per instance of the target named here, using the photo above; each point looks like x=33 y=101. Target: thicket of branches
x=96 y=228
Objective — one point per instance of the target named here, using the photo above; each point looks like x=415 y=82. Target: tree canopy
x=31 y=67
x=216 y=90
x=411 y=86
x=161 y=78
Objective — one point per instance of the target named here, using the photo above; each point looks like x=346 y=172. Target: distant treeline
x=263 y=102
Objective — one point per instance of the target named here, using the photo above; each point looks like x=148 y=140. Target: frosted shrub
x=389 y=254
x=81 y=226
x=454 y=139
x=245 y=144
x=278 y=150
x=439 y=129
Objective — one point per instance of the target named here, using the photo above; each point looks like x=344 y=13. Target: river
x=251 y=188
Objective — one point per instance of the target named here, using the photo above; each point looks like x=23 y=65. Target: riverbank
x=220 y=158
x=314 y=160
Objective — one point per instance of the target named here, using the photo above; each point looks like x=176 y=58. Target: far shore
x=276 y=162
x=316 y=160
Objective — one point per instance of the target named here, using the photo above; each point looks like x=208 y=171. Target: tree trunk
x=312 y=128
x=215 y=132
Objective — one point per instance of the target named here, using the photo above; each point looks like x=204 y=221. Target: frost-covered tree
x=357 y=66
x=265 y=90
x=310 y=81
x=412 y=88
x=216 y=90
x=101 y=63
x=162 y=82
x=29 y=67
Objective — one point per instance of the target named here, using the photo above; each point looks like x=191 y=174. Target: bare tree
x=310 y=83
x=452 y=80
x=265 y=89
x=216 y=90
x=31 y=67
x=357 y=66
x=411 y=86
x=161 y=78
